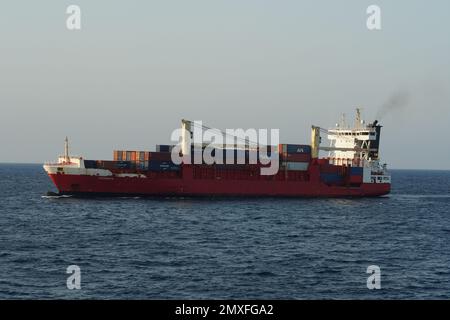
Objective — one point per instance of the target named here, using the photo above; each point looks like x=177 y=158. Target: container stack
x=292 y=157
x=113 y=165
x=147 y=160
x=232 y=158
x=139 y=159
x=295 y=157
x=161 y=161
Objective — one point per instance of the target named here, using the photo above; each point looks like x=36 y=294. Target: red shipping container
x=356 y=179
x=323 y=161
x=296 y=157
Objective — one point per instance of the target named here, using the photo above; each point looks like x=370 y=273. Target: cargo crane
x=188 y=126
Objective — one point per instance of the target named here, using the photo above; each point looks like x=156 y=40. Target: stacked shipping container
x=147 y=160
x=295 y=157
x=292 y=157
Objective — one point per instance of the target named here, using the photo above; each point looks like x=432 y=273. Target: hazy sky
x=136 y=68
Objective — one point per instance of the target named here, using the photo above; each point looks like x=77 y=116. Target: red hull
x=187 y=185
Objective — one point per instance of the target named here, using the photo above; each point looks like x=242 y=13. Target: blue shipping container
x=142 y=166
x=163 y=148
x=156 y=165
x=356 y=171
x=124 y=165
x=90 y=164
x=298 y=148
x=331 y=177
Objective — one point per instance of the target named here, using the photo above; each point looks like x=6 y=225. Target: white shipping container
x=296 y=166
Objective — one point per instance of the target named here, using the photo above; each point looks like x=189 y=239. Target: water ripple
x=235 y=248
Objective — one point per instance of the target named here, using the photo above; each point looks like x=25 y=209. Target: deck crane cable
x=323 y=130
x=247 y=141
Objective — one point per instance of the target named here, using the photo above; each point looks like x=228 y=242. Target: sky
x=136 y=68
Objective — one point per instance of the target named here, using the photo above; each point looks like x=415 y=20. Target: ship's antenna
x=66 y=149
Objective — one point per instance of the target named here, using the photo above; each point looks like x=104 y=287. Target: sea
x=175 y=248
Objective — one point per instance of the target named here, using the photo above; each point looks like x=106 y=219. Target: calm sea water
x=240 y=249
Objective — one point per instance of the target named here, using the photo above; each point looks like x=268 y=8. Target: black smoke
x=396 y=102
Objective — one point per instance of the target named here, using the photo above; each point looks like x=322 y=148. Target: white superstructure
x=358 y=146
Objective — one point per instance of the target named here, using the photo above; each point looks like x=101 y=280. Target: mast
x=186 y=128
x=315 y=141
x=66 y=150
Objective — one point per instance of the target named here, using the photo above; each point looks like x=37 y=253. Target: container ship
x=351 y=167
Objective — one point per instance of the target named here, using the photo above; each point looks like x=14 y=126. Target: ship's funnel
x=375 y=144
